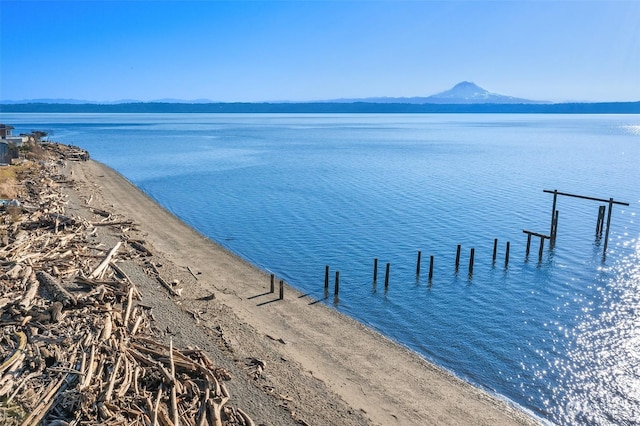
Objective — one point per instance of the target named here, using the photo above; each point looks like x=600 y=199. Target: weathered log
x=175 y=415
x=139 y=246
x=154 y=417
x=136 y=325
x=55 y=289
x=14 y=272
x=112 y=379
x=192 y=273
x=59 y=218
x=245 y=417
x=114 y=223
x=99 y=271
x=100 y=212
x=105 y=333
x=215 y=409
x=202 y=412
x=126 y=382
x=22 y=343
x=56 y=311
x=166 y=285
x=4 y=301
x=129 y=306
x=90 y=367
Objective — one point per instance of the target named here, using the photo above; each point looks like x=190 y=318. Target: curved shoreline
x=386 y=381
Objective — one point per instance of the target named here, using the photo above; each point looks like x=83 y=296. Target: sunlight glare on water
x=602 y=368
x=634 y=130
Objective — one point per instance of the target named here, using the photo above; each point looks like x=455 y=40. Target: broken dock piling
x=554 y=215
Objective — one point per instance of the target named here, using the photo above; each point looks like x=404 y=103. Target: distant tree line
x=328 y=107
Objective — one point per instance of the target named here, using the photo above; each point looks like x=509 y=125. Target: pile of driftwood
x=77 y=346
x=67 y=152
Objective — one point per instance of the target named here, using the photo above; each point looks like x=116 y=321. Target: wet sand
x=318 y=359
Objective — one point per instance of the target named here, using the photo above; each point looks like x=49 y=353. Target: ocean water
x=559 y=336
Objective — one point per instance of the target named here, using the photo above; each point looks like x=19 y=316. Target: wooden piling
x=336 y=289
x=326 y=278
x=471 y=259
x=553 y=211
x=506 y=255
x=273 y=278
x=600 y=222
x=418 y=263
x=281 y=289
x=610 y=201
x=552 y=239
x=495 y=249
x=606 y=233
x=541 y=250
x=386 y=276
x=430 y=268
x=375 y=270
x=542 y=238
x=528 y=245
x=458 y=257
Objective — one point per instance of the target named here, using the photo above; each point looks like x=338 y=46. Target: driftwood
x=164 y=284
x=57 y=292
x=139 y=245
x=22 y=342
x=99 y=271
x=89 y=355
x=31 y=292
x=67 y=152
x=100 y=212
x=192 y=273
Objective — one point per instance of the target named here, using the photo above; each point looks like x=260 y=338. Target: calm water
x=293 y=193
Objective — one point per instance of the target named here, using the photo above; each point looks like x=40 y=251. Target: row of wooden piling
x=272 y=288
x=431 y=264
x=600 y=227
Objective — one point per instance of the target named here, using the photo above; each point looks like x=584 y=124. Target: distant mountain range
x=85 y=102
x=464 y=97
x=462 y=93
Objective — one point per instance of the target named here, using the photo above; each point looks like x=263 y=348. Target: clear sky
x=562 y=50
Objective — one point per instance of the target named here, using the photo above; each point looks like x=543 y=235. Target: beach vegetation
x=8 y=182
x=10 y=179
x=33 y=150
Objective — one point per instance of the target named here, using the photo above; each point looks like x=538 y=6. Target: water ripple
x=291 y=194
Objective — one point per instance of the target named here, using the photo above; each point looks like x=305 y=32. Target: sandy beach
x=321 y=367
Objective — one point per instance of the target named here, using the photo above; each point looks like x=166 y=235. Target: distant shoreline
x=327 y=108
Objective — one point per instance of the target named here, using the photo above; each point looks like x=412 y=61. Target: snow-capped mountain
x=462 y=93
x=470 y=93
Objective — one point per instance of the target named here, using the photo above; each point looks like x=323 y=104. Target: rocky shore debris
x=76 y=345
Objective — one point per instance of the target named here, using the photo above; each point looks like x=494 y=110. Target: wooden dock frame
x=542 y=238
x=554 y=215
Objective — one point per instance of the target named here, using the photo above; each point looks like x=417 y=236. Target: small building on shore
x=6 y=135
x=5 y=131
x=6 y=152
x=9 y=144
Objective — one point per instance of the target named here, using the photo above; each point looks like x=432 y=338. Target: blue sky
x=312 y=50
